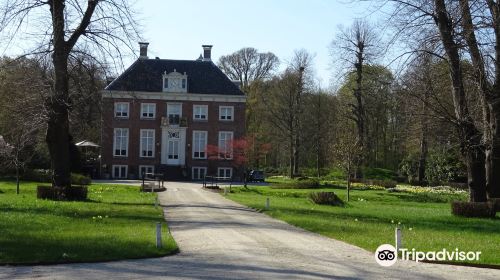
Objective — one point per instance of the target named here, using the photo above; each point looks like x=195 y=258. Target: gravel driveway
x=220 y=239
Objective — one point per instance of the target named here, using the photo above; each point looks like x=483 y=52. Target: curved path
x=220 y=239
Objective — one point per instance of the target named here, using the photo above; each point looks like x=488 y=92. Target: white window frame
x=200 y=107
x=194 y=144
x=115 y=142
x=180 y=111
x=120 y=166
x=199 y=168
x=146 y=167
x=223 y=117
x=141 y=143
x=225 y=169
x=147 y=105
x=165 y=83
x=117 y=104
x=220 y=145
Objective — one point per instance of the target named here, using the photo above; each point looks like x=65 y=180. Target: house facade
x=161 y=115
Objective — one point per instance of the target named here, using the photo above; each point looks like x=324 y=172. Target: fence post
x=397 y=235
x=158 y=235
x=267 y=203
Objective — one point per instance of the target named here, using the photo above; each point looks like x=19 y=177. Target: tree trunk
x=423 y=132
x=17 y=179
x=348 y=178
x=57 y=136
x=490 y=97
x=359 y=110
x=470 y=138
x=493 y=153
x=423 y=157
x=291 y=157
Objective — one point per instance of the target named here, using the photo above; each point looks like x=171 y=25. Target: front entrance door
x=173 y=152
x=173 y=146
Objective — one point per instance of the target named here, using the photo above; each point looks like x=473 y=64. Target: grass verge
x=117 y=222
x=370 y=218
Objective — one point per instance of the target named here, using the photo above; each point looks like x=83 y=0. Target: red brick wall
x=134 y=123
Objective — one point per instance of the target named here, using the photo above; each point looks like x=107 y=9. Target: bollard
x=158 y=235
x=156 y=202
x=397 y=235
x=267 y=203
x=225 y=191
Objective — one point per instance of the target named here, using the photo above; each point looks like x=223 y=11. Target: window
x=199 y=173
x=174 y=113
x=148 y=110
x=175 y=82
x=199 y=144
x=226 y=113
x=147 y=142
x=120 y=171
x=147 y=170
x=120 y=146
x=226 y=172
x=121 y=110
x=225 y=144
x=173 y=149
x=200 y=112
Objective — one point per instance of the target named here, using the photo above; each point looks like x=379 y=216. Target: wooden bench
x=212 y=182
x=152 y=182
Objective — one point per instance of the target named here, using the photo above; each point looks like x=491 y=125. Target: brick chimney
x=207 y=52
x=143 y=50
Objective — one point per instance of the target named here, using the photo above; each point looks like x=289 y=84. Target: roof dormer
x=174 y=82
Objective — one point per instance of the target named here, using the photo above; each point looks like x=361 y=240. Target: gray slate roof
x=204 y=77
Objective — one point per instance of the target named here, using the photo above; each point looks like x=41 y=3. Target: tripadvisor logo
x=387 y=255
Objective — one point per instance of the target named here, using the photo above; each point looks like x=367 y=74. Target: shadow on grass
x=73 y=213
x=123 y=203
x=427 y=197
x=438 y=223
x=42 y=249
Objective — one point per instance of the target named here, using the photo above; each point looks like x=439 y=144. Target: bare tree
x=22 y=116
x=347 y=150
x=68 y=27
x=490 y=88
x=355 y=47
x=248 y=65
x=435 y=23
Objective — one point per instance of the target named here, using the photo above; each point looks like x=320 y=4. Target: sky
x=177 y=29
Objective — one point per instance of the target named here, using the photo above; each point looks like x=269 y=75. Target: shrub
x=473 y=209
x=409 y=168
x=444 y=166
x=378 y=173
x=38 y=175
x=325 y=198
x=383 y=183
x=45 y=176
x=79 y=179
x=301 y=183
x=74 y=193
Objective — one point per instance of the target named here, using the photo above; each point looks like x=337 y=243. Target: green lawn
x=370 y=218
x=118 y=222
